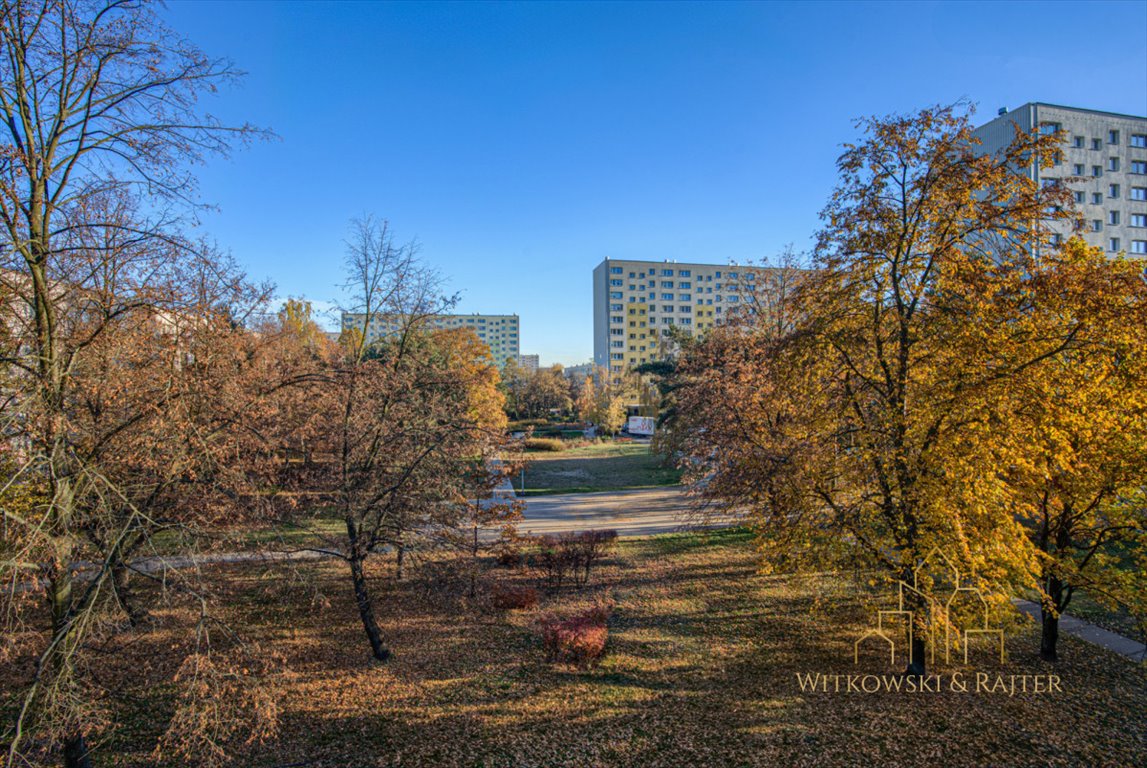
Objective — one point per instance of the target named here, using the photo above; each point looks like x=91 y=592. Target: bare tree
x=99 y=105
x=409 y=409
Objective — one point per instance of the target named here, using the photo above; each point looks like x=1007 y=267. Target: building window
x=1096 y=170
x=1139 y=193
x=1048 y=129
x=1056 y=239
x=616 y=307
x=616 y=331
x=1096 y=144
x=1139 y=140
x=1079 y=196
x=1113 y=191
x=1113 y=137
x=666 y=283
x=617 y=344
x=686 y=321
x=615 y=294
x=1113 y=244
x=616 y=319
x=1139 y=219
x=684 y=273
x=667 y=273
x=667 y=297
x=1097 y=198
x=685 y=297
x=667 y=308
x=1139 y=246
x=1139 y=167
x=1113 y=163
x=1113 y=218
x=1078 y=142
x=685 y=284
x=1078 y=169
x=1096 y=225
x=616 y=283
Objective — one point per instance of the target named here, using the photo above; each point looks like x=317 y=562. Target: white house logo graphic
x=941 y=614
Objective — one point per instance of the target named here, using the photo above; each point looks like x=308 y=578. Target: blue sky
x=523 y=143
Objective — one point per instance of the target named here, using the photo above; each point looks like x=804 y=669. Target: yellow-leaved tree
x=1073 y=447
x=844 y=421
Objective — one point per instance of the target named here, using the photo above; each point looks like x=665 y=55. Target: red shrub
x=578 y=639
x=506 y=598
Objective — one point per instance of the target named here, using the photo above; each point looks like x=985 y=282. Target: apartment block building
x=529 y=363
x=500 y=332
x=1103 y=162
x=635 y=303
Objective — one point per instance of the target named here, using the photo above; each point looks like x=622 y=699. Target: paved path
x=642 y=512
x=1124 y=646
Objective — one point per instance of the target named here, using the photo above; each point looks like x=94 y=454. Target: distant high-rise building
x=528 y=362
x=578 y=372
x=1104 y=163
x=635 y=303
x=500 y=332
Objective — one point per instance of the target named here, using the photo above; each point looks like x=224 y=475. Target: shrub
x=523 y=424
x=509 y=557
x=510 y=598
x=579 y=639
x=555 y=558
x=544 y=444
x=572 y=554
x=589 y=547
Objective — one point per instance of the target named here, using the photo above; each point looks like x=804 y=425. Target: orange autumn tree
x=120 y=329
x=837 y=421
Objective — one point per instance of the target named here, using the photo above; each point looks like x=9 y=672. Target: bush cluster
x=523 y=424
x=545 y=444
x=579 y=639
x=510 y=598
x=572 y=555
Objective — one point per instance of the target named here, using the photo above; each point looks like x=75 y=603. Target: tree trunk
x=1049 y=637
x=76 y=753
x=120 y=578
x=918 y=666
x=366 y=609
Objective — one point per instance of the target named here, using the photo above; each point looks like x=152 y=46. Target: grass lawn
x=597 y=467
x=700 y=671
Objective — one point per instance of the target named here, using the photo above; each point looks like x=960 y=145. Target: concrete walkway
x=643 y=512
x=1124 y=646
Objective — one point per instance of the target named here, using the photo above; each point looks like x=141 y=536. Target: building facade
x=528 y=362
x=635 y=303
x=499 y=332
x=1104 y=163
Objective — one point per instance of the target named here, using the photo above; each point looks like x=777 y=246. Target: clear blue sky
x=522 y=144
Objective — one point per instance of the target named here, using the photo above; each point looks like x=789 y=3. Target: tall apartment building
x=635 y=303
x=1108 y=151
x=500 y=332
